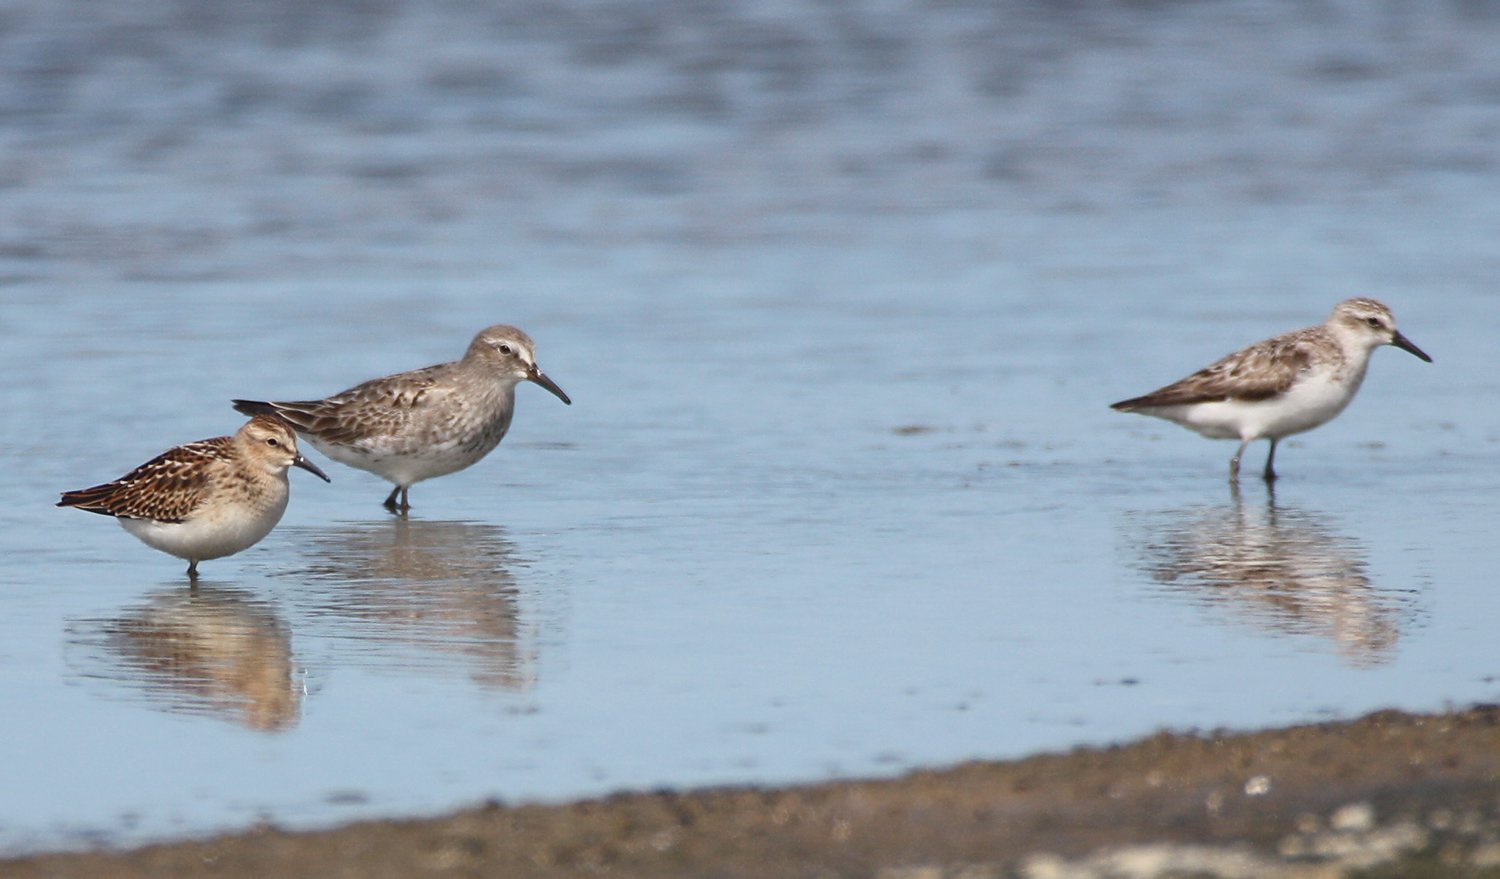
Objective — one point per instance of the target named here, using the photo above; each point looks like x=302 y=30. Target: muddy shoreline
x=1390 y=793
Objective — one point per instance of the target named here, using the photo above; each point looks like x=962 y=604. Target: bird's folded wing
x=1259 y=372
x=167 y=488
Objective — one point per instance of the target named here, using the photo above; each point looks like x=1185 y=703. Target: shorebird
x=206 y=499
x=1282 y=386
x=424 y=423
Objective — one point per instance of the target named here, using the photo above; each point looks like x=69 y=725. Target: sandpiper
x=424 y=423
x=1282 y=386
x=204 y=500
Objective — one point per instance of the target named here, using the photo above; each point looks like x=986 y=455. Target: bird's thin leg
x=1270 y=474
x=192 y=570
x=405 y=502
x=390 y=499
x=1234 y=463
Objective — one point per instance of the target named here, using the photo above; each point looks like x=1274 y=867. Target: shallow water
x=841 y=298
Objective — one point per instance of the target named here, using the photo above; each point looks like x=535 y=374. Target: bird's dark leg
x=192 y=570
x=1270 y=474
x=1234 y=463
x=391 y=503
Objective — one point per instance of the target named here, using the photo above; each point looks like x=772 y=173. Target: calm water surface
x=841 y=298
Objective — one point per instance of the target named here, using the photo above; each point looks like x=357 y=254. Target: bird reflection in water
x=445 y=588
x=211 y=650
x=1281 y=570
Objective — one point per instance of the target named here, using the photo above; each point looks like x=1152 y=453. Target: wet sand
x=1389 y=794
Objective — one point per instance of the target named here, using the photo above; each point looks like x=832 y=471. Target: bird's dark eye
x=273 y=442
x=1374 y=322
x=505 y=349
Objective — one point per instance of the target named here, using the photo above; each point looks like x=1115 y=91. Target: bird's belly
x=404 y=461
x=209 y=534
x=1306 y=405
x=1220 y=419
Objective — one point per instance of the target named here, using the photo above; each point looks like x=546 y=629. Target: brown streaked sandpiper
x=424 y=423
x=1282 y=386
x=207 y=499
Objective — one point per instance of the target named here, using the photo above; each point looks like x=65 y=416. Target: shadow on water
x=446 y=589
x=212 y=650
x=1279 y=569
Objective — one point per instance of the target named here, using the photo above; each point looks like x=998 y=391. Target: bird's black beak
x=1405 y=344
x=535 y=374
x=310 y=467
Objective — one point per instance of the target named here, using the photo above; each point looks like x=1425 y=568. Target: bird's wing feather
x=166 y=488
x=376 y=408
x=1260 y=372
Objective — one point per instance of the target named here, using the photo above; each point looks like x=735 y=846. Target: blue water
x=841 y=296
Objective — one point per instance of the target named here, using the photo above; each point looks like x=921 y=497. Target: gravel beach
x=1388 y=794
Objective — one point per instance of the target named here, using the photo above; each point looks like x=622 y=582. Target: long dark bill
x=541 y=378
x=310 y=467
x=1405 y=344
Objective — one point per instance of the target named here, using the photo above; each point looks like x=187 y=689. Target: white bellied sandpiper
x=425 y=423
x=1282 y=386
x=204 y=500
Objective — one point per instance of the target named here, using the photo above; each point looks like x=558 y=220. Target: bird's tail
x=302 y=416
x=94 y=499
x=254 y=407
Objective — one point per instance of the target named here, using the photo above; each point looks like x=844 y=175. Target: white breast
x=1313 y=399
x=212 y=532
